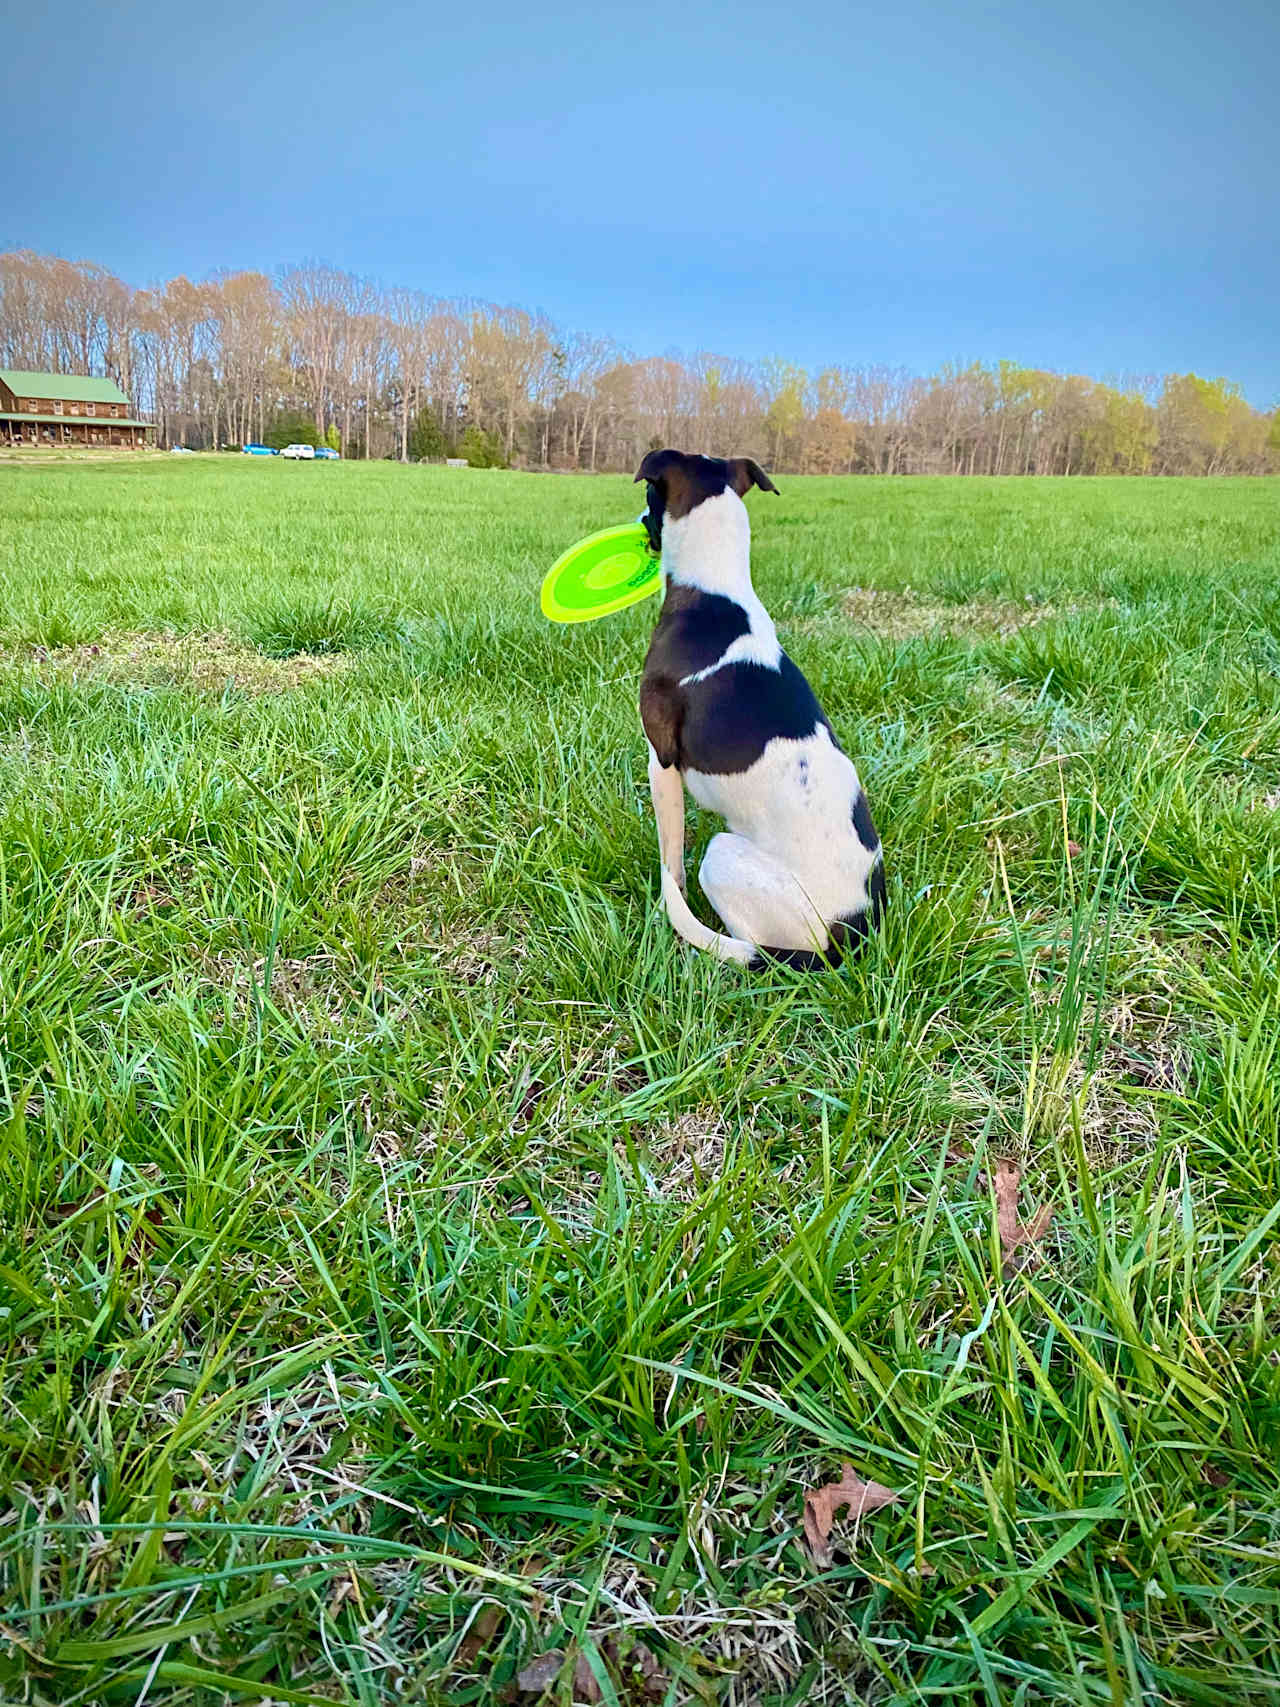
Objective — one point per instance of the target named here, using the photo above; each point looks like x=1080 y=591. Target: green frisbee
x=602 y=574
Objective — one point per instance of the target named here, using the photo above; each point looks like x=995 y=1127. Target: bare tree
x=583 y=361
x=368 y=347
x=445 y=372
x=224 y=355
x=786 y=387
x=408 y=315
x=313 y=299
x=24 y=319
x=246 y=315
x=506 y=364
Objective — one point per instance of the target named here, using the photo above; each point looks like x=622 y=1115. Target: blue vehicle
x=256 y=450
x=326 y=453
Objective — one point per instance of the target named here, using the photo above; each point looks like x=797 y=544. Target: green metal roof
x=68 y=420
x=69 y=387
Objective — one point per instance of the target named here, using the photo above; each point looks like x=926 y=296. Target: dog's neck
x=710 y=549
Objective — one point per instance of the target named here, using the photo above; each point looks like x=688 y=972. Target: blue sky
x=1091 y=187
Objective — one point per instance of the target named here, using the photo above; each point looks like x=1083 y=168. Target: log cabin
x=65 y=409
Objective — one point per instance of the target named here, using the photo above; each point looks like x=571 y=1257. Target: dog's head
x=677 y=481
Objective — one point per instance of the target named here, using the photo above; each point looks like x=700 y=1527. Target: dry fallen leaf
x=535 y=1090
x=1013 y=1232
x=343 y=1590
x=639 y=1668
x=484 y=1627
x=63 y=1211
x=653 y=1678
x=541 y=1673
x=822 y=1504
x=147 y=898
x=585 y=1687
x=1074 y=850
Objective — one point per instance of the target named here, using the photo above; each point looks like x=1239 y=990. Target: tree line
x=243 y=357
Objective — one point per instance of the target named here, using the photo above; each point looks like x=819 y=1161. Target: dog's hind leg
x=758 y=898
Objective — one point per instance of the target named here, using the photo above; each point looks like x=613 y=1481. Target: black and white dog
x=799 y=875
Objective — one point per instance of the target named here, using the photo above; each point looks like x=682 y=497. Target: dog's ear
x=744 y=473
x=654 y=466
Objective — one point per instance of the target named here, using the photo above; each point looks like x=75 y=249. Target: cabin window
x=31 y=404
x=57 y=406
x=88 y=408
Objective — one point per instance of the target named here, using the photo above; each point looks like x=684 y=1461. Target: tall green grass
x=413 y=1260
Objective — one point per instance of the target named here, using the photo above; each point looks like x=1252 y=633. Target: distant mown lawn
x=415 y=1262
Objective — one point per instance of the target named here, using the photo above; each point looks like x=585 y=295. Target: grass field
x=414 y=1261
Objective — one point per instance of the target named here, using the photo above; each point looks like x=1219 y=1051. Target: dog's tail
x=685 y=924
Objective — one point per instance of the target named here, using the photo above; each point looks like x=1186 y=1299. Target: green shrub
x=291 y=428
x=427 y=439
x=481 y=449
